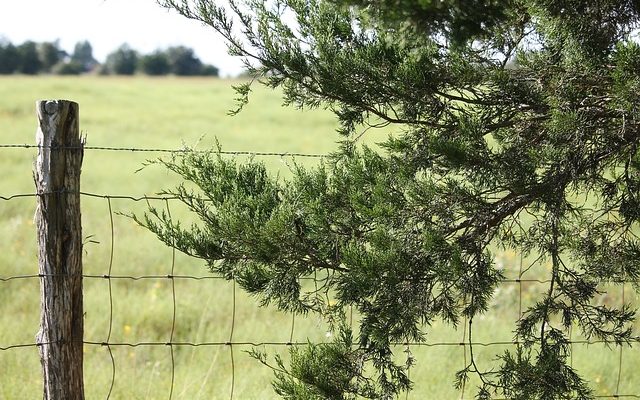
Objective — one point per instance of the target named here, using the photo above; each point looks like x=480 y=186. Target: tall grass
x=169 y=113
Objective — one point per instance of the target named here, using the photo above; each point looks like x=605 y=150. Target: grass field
x=167 y=113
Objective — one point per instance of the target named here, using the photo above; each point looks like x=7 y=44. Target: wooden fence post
x=57 y=179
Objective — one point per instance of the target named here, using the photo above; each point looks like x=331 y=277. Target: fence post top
x=53 y=106
x=55 y=101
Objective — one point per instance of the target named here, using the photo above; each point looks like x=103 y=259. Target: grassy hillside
x=168 y=113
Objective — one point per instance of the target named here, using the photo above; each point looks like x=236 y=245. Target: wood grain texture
x=59 y=231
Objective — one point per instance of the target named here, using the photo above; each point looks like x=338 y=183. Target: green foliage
x=183 y=61
x=209 y=70
x=324 y=371
x=179 y=60
x=156 y=63
x=50 y=54
x=9 y=58
x=83 y=55
x=518 y=128
x=30 y=62
x=68 y=68
x=461 y=20
x=30 y=57
x=123 y=61
x=548 y=376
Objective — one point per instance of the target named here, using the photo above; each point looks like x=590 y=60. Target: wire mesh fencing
x=109 y=283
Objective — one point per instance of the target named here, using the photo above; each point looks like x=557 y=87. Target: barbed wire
x=169 y=151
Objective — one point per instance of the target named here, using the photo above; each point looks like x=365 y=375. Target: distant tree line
x=33 y=58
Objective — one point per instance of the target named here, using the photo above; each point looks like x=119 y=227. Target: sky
x=107 y=24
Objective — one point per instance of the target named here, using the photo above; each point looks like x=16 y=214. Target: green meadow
x=170 y=113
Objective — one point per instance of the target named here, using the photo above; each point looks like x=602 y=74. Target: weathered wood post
x=57 y=179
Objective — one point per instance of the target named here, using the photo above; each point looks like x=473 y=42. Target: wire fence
x=466 y=343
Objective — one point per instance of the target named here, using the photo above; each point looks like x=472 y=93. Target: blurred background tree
x=183 y=62
x=156 y=63
x=9 y=57
x=83 y=55
x=123 y=61
x=47 y=57
x=50 y=54
x=29 y=60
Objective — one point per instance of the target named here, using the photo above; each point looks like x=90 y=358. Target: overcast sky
x=143 y=24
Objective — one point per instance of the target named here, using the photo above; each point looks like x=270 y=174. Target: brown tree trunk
x=57 y=179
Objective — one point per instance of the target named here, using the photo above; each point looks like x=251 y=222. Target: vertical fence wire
x=173 y=297
x=108 y=277
x=621 y=349
x=519 y=281
x=520 y=272
x=406 y=396
x=231 y=331
x=571 y=345
x=464 y=356
x=350 y=316
x=293 y=327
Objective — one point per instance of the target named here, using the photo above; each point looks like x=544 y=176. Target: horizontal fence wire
x=170 y=151
x=94 y=195
x=305 y=343
x=465 y=343
x=215 y=277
